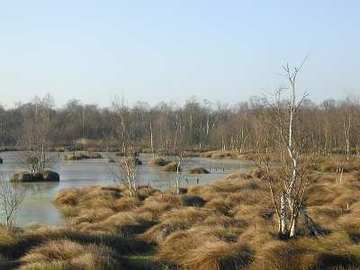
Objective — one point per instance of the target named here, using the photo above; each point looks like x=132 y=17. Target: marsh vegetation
x=229 y=224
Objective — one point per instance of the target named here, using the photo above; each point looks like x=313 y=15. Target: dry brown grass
x=171 y=167
x=94 y=196
x=219 y=154
x=221 y=204
x=335 y=163
x=70 y=197
x=126 y=203
x=206 y=192
x=174 y=220
x=333 y=204
x=82 y=203
x=219 y=255
x=124 y=223
x=174 y=249
x=280 y=255
x=159 y=204
x=182 y=248
x=65 y=254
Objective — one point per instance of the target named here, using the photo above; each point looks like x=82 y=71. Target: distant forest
x=332 y=125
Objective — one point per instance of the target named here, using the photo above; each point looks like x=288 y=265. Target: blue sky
x=172 y=50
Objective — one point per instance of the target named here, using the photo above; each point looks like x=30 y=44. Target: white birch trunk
x=283 y=222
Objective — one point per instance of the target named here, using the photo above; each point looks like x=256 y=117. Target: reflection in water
x=36 y=188
x=38 y=206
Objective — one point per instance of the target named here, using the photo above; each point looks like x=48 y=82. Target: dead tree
x=11 y=198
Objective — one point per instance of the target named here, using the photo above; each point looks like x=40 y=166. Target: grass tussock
x=338 y=163
x=219 y=154
x=219 y=255
x=172 y=167
x=172 y=221
x=159 y=162
x=7 y=237
x=65 y=254
x=182 y=248
x=233 y=154
x=199 y=170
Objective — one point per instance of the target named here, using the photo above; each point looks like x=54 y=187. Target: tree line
x=326 y=127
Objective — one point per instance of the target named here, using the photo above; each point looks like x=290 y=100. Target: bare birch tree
x=289 y=183
x=347 y=129
x=179 y=153
x=128 y=171
x=128 y=160
x=11 y=198
x=179 y=176
x=35 y=137
x=152 y=140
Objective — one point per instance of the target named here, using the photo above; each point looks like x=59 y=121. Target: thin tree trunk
x=152 y=141
x=283 y=223
x=293 y=228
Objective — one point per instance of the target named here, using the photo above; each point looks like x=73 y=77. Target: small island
x=82 y=156
x=46 y=176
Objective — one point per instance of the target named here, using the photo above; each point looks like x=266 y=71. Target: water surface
x=38 y=207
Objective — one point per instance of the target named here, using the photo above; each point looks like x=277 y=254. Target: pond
x=38 y=207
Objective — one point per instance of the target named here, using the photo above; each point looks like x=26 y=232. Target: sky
x=165 y=50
